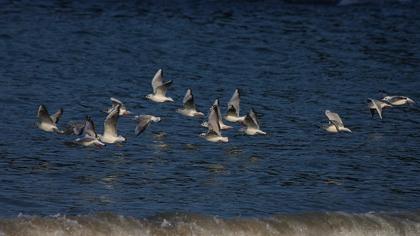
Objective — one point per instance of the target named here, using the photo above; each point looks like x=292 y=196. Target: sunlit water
x=291 y=63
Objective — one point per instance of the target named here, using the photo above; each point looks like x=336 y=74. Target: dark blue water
x=291 y=62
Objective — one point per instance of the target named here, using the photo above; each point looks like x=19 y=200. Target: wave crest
x=191 y=224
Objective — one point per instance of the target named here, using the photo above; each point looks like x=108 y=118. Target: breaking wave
x=336 y=223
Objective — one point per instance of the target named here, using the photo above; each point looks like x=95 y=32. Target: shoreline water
x=328 y=223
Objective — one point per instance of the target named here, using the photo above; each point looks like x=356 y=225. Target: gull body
x=213 y=133
x=233 y=108
x=110 y=127
x=159 y=88
x=144 y=122
x=377 y=106
x=252 y=125
x=335 y=123
x=189 y=109
x=46 y=122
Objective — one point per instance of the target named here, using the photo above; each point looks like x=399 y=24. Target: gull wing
x=143 y=123
x=377 y=106
x=44 y=116
x=110 y=124
x=89 y=129
x=217 y=107
x=251 y=120
x=233 y=104
x=74 y=127
x=188 y=100
x=213 y=121
x=56 y=117
x=157 y=80
x=161 y=90
x=334 y=118
x=115 y=102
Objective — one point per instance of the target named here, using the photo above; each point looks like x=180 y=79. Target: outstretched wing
x=188 y=100
x=376 y=105
x=44 y=116
x=334 y=118
x=161 y=90
x=143 y=123
x=56 y=117
x=217 y=107
x=157 y=80
x=233 y=104
x=89 y=129
x=251 y=120
x=213 y=121
x=110 y=124
x=115 y=102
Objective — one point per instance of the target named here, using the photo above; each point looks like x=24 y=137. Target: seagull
x=189 y=106
x=46 y=122
x=213 y=134
x=110 y=127
x=144 y=122
x=159 y=88
x=252 y=126
x=335 y=123
x=398 y=100
x=74 y=127
x=219 y=115
x=90 y=137
x=377 y=105
x=123 y=109
x=233 y=108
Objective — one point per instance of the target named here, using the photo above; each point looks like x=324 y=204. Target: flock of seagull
x=214 y=124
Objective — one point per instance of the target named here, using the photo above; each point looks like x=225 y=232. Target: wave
x=335 y=223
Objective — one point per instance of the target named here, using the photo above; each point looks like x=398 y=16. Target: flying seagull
x=74 y=127
x=252 y=126
x=233 y=108
x=189 y=108
x=110 y=127
x=90 y=136
x=144 y=122
x=378 y=106
x=398 y=100
x=159 y=88
x=46 y=122
x=219 y=115
x=335 y=123
x=213 y=134
x=123 y=109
